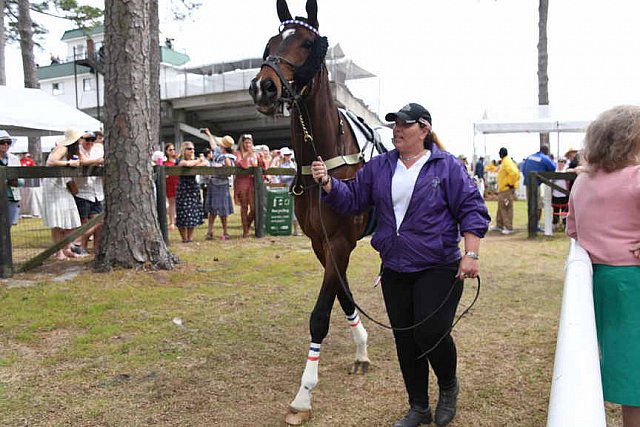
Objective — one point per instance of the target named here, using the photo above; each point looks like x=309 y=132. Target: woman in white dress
x=60 y=212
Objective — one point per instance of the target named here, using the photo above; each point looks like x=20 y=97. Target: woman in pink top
x=604 y=216
x=243 y=192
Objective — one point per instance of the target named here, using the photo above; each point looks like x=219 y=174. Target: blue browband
x=301 y=23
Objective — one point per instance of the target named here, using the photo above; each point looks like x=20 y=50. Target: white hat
x=5 y=135
x=286 y=151
x=71 y=136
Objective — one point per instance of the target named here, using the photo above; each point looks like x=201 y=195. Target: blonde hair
x=241 y=141
x=436 y=140
x=612 y=141
x=183 y=146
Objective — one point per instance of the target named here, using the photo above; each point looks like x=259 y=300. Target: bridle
x=291 y=95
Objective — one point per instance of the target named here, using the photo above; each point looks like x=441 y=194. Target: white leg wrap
x=359 y=337
x=309 y=380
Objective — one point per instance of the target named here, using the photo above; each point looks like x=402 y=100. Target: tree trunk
x=131 y=236
x=543 y=62
x=3 y=42
x=25 y=30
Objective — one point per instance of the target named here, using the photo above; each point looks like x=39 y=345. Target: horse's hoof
x=296 y=417
x=362 y=366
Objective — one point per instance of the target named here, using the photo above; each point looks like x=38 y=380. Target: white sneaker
x=495 y=228
x=506 y=231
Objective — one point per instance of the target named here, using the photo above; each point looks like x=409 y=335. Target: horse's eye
x=307 y=44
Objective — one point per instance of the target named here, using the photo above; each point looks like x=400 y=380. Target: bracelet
x=68 y=164
x=472 y=255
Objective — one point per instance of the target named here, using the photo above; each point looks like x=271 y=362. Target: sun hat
x=569 y=151
x=226 y=141
x=70 y=136
x=410 y=113
x=4 y=135
x=286 y=151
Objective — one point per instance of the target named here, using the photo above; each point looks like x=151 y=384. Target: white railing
x=576 y=389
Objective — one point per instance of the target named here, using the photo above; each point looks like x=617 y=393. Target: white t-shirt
x=402 y=185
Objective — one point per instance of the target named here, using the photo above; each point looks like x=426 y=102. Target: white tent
x=32 y=112
x=539 y=119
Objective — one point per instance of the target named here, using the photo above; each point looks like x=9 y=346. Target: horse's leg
x=300 y=407
x=357 y=330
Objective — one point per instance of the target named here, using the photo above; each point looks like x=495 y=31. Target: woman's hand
x=73 y=163
x=468 y=268
x=319 y=172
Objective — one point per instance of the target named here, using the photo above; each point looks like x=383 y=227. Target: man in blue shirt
x=538 y=162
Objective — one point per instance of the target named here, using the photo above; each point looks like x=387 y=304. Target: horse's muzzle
x=264 y=93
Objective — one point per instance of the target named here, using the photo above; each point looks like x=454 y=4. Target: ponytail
x=432 y=139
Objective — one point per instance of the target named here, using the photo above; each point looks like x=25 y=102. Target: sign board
x=279 y=211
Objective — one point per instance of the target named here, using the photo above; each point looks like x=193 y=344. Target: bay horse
x=294 y=73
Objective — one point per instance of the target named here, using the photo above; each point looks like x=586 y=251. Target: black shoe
x=415 y=417
x=447 y=402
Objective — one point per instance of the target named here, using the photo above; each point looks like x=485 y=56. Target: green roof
x=80 y=33
x=54 y=71
x=170 y=56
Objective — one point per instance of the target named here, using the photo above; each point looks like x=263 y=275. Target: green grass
x=102 y=349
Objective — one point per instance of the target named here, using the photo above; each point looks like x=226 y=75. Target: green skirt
x=616 y=297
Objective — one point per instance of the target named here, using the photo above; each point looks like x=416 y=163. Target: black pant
x=409 y=298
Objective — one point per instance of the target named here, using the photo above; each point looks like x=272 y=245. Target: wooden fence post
x=161 y=202
x=259 y=201
x=532 y=204
x=6 y=258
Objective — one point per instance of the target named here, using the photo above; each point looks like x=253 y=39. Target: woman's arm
x=196 y=162
x=57 y=158
x=212 y=141
x=469 y=264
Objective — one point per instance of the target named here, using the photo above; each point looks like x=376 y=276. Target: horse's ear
x=283 y=10
x=266 y=52
x=312 y=13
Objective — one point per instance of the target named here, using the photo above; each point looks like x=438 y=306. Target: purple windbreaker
x=445 y=203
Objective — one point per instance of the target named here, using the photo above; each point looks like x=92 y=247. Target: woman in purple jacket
x=424 y=202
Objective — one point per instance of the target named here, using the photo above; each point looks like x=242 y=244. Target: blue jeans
x=14 y=213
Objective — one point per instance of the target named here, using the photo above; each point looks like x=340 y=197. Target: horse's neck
x=321 y=120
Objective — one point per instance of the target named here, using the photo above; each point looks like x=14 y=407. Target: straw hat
x=226 y=141
x=286 y=151
x=570 y=151
x=70 y=136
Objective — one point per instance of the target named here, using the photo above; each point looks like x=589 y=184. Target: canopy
x=33 y=112
x=538 y=119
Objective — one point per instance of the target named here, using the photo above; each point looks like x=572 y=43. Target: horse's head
x=291 y=59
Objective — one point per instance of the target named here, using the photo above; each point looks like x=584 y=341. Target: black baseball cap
x=410 y=113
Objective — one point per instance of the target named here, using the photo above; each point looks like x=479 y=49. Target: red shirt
x=27 y=161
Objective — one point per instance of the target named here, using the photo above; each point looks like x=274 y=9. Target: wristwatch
x=472 y=255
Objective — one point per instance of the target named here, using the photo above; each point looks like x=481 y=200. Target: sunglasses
x=90 y=139
x=247 y=136
x=188 y=148
x=5 y=142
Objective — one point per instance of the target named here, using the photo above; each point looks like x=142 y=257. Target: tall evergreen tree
x=3 y=41
x=131 y=235
x=543 y=62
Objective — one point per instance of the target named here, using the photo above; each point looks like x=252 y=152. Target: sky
x=458 y=58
